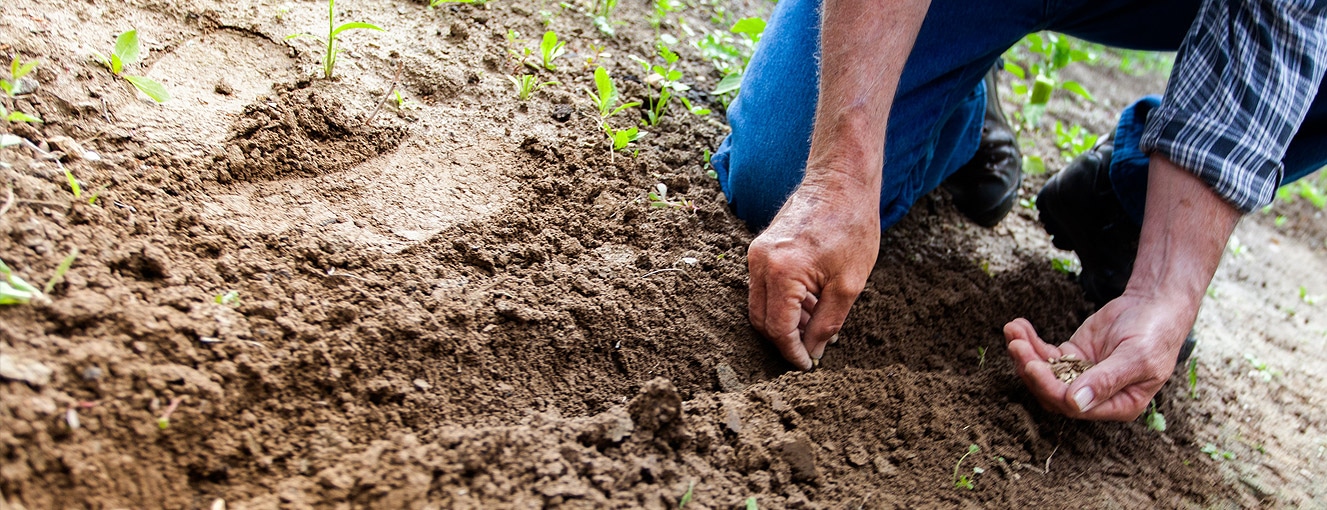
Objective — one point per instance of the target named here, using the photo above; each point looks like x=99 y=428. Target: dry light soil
x=468 y=302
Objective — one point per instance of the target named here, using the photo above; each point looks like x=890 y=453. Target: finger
x=1020 y=330
x=1049 y=390
x=783 y=312
x=832 y=310
x=1103 y=382
x=808 y=307
x=756 y=295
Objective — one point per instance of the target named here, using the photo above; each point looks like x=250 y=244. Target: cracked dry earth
x=461 y=304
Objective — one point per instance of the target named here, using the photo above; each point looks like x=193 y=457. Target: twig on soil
x=657 y=271
x=9 y=202
x=40 y=202
x=395 y=80
x=1047 y=471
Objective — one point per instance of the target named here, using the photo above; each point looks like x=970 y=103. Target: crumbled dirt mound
x=301 y=131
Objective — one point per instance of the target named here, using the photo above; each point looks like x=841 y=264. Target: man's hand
x=809 y=266
x=1135 y=338
x=1132 y=340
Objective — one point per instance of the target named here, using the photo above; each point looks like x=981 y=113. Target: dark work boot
x=986 y=187
x=1081 y=212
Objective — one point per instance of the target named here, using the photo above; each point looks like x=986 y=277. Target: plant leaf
x=1077 y=88
x=151 y=88
x=728 y=84
x=1015 y=70
x=607 y=92
x=752 y=27
x=60 y=271
x=17 y=116
x=17 y=70
x=126 y=47
x=117 y=65
x=355 y=25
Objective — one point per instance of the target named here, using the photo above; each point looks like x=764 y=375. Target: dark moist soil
x=571 y=347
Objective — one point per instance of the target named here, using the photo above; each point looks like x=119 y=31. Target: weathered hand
x=1133 y=341
x=808 y=267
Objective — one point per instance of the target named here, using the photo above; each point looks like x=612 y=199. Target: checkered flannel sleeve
x=1243 y=81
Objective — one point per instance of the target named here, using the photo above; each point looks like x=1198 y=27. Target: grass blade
x=60 y=271
x=354 y=25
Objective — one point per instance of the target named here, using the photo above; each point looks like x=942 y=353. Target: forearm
x=1185 y=229
x=864 y=45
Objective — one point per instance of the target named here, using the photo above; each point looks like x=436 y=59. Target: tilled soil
x=469 y=302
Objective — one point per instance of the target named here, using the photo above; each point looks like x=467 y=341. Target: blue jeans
x=935 y=123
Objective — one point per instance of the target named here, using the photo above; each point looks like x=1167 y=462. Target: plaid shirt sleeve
x=1243 y=81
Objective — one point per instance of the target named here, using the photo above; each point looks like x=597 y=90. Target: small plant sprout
x=686 y=497
x=1045 y=55
x=605 y=101
x=1073 y=141
x=127 y=52
x=602 y=12
x=230 y=298
x=163 y=422
x=730 y=54
x=1260 y=369
x=981 y=356
x=550 y=49
x=661 y=10
x=1216 y=453
x=1308 y=299
x=1155 y=420
x=527 y=84
x=751 y=503
x=964 y=481
x=659 y=199
x=17 y=291
x=667 y=77
x=334 y=30
x=1067 y=266
x=1193 y=378
x=11 y=87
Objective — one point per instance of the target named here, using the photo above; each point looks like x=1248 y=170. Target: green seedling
x=981 y=350
x=751 y=503
x=686 y=497
x=1216 y=453
x=402 y=103
x=17 y=70
x=60 y=271
x=667 y=77
x=1044 y=55
x=605 y=99
x=1304 y=296
x=602 y=14
x=17 y=291
x=230 y=298
x=1066 y=266
x=1280 y=221
x=964 y=481
x=1028 y=203
x=1155 y=420
x=1261 y=370
x=1074 y=140
x=128 y=52
x=1033 y=165
x=709 y=168
x=334 y=30
x=527 y=84
x=163 y=422
x=659 y=199
x=662 y=8
x=73 y=184
x=1193 y=378
x=550 y=49
x=730 y=54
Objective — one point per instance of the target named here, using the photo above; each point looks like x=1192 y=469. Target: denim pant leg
x=934 y=125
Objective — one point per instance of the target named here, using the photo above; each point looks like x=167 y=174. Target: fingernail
x=815 y=363
x=1083 y=398
x=834 y=339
